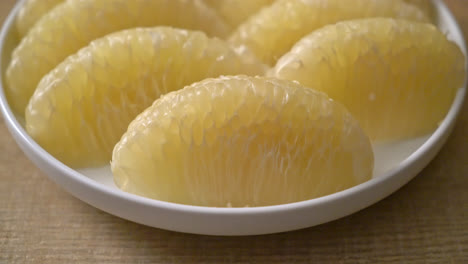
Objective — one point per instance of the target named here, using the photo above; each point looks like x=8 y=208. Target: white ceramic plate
x=396 y=164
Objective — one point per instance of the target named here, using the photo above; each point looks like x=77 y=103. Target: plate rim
x=38 y=154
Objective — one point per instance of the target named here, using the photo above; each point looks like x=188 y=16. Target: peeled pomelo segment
x=276 y=28
x=234 y=12
x=73 y=24
x=31 y=11
x=82 y=108
x=397 y=77
x=242 y=141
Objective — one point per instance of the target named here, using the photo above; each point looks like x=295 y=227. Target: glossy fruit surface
x=82 y=108
x=427 y=6
x=275 y=29
x=31 y=11
x=397 y=77
x=242 y=141
x=235 y=12
x=73 y=24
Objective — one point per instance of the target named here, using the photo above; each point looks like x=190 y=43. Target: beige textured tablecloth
x=424 y=222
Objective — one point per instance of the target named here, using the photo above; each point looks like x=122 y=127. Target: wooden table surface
x=424 y=222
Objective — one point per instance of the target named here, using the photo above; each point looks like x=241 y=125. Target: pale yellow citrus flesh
x=242 y=141
x=234 y=12
x=73 y=24
x=31 y=11
x=426 y=6
x=82 y=108
x=397 y=77
x=276 y=28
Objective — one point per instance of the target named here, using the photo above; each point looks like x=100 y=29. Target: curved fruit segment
x=273 y=31
x=427 y=6
x=31 y=11
x=81 y=108
x=397 y=77
x=235 y=12
x=242 y=141
x=73 y=24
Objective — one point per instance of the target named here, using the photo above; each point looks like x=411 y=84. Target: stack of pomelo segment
x=230 y=102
